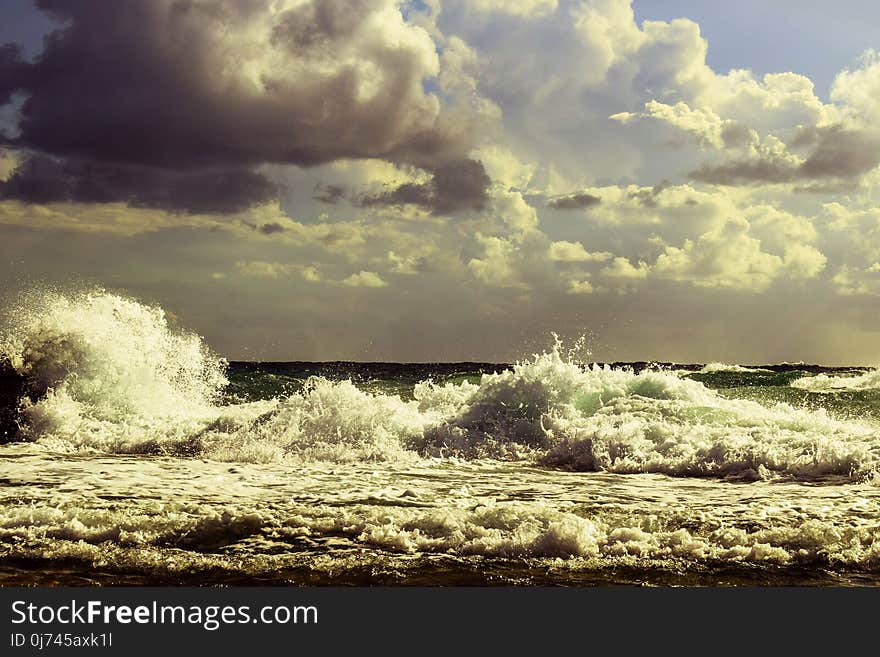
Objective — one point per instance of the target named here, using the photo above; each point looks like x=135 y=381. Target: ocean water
x=132 y=454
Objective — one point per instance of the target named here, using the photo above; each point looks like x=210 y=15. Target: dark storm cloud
x=574 y=202
x=204 y=91
x=453 y=187
x=836 y=153
x=46 y=179
x=12 y=70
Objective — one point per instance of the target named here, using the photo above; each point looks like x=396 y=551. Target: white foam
x=96 y=358
x=111 y=375
x=612 y=419
x=712 y=368
x=825 y=383
x=261 y=521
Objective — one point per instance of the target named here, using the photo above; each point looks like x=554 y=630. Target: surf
x=102 y=372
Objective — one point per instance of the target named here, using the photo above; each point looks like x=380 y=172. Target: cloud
x=364 y=279
x=564 y=251
x=724 y=258
x=497 y=266
x=191 y=93
x=504 y=167
x=803 y=261
x=264 y=269
x=838 y=153
x=453 y=187
x=330 y=194
x=8 y=163
x=12 y=70
x=648 y=197
x=841 y=153
x=703 y=124
x=857 y=91
x=857 y=281
x=574 y=202
x=45 y=179
x=106 y=218
x=621 y=268
x=275 y=270
x=776 y=130
x=766 y=171
x=580 y=287
x=272 y=228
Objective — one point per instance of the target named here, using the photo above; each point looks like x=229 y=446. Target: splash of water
x=824 y=383
x=107 y=373
x=712 y=368
x=94 y=361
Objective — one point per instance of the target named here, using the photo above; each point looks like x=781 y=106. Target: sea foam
x=824 y=383
x=107 y=373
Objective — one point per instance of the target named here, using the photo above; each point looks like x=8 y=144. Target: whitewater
x=134 y=454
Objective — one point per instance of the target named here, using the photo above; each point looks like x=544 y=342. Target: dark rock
x=12 y=389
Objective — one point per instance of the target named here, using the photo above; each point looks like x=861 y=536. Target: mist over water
x=135 y=447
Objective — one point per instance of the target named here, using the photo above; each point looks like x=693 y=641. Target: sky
x=443 y=180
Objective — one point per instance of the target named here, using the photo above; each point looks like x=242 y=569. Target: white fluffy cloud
x=364 y=279
x=564 y=251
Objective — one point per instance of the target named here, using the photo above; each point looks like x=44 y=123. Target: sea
x=133 y=454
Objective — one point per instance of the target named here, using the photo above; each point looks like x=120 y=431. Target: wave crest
x=107 y=373
x=824 y=383
x=96 y=358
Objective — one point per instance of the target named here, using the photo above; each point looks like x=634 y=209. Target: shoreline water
x=140 y=456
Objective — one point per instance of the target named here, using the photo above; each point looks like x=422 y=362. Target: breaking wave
x=105 y=373
x=824 y=383
x=514 y=530
x=712 y=368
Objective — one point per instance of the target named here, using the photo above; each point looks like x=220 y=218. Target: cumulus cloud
x=580 y=287
x=309 y=273
x=728 y=258
x=776 y=130
x=574 y=202
x=453 y=187
x=837 y=153
x=621 y=268
x=364 y=279
x=497 y=266
x=192 y=93
x=857 y=91
x=703 y=124
x=264 y=269
x=803 y=261
x=564 y=251
x=857 y=281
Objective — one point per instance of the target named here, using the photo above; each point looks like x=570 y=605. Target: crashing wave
x=824 y=383
x=109 y=374
x=713 y=368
